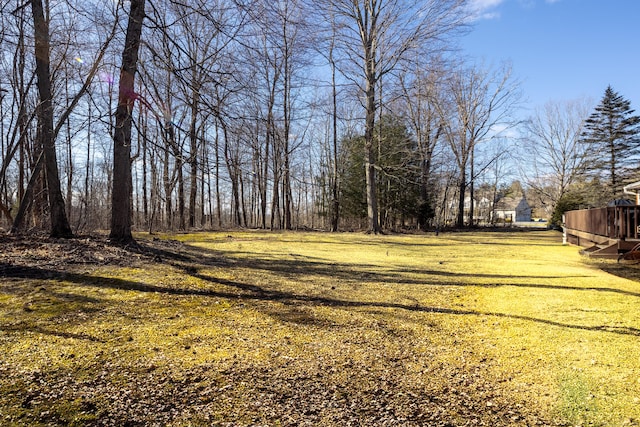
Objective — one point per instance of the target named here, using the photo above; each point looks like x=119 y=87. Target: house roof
x=621 y=202
x=509 y=203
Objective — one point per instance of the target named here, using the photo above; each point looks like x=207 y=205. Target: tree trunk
x=286 y=178
x=205 y=168
x=242 y=199
x=23 y=121
x=370 y=159
x=193 y=161
x=28 y=196
x=154 y=192
x=87 y=171
x=168 y=184
x=276 y=219
x=471 y=190
x=335 y=206
x=462 y=186
x=70 y=166
x=121 y=193
x=181 y=204
x=265 y=178
x=59 y=222
x=145 y=199
x=217 y=180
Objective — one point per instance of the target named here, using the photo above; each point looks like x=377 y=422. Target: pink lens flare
x=106 y=77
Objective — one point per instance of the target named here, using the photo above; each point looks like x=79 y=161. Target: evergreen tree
x=353 y=199
x=612 y=132
x=571 y=200
x=399 y=173
x=397 y=180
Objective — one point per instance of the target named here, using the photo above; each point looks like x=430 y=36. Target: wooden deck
x=604 y=232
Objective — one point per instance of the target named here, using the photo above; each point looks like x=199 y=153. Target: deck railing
x=615 y=222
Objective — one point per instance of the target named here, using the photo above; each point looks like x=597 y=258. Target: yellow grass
x=515 y=321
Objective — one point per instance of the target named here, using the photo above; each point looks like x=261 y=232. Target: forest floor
x=249 y=328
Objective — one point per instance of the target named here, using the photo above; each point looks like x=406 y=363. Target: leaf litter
x=96 y=334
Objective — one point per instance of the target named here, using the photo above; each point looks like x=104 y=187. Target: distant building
x=511 y=209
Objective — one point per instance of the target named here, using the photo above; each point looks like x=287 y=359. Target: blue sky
x=562 y=49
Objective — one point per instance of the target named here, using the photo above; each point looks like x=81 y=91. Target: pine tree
x=398 y=172
x=397 y=180
x=353 y=199
x=612 y=132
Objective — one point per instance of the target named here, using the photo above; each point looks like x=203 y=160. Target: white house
x=511 y=209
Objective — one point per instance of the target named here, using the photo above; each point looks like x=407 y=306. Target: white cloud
x=527 y=4
x=484 y=9
x=503 y=130
x=485 y=4
x=487 y=9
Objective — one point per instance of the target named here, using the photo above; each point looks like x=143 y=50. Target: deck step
x=610 y=250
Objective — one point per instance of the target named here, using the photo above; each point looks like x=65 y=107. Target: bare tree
x=327 y=49
x=45 y=152
x=335 y=185
x=121 y=193
x=46 y=132
x=193 y=38
x=555 y=156
x=278 y=57
x=377 y=35
x=17 y=119
x=479 y=110
x=421 y=92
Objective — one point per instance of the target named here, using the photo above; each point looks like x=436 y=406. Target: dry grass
x=256 y=328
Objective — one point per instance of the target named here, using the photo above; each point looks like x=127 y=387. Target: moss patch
x=257 y=328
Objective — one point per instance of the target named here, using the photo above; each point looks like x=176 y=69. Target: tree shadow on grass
x=24 y=327
x=251 y=292
x=259 y=293
x=193 y=259
x=623 y=270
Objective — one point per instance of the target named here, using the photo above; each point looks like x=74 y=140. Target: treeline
x=176 y=115
x=582 y=157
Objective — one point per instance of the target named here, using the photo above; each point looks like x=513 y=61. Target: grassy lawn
x=319 y=329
